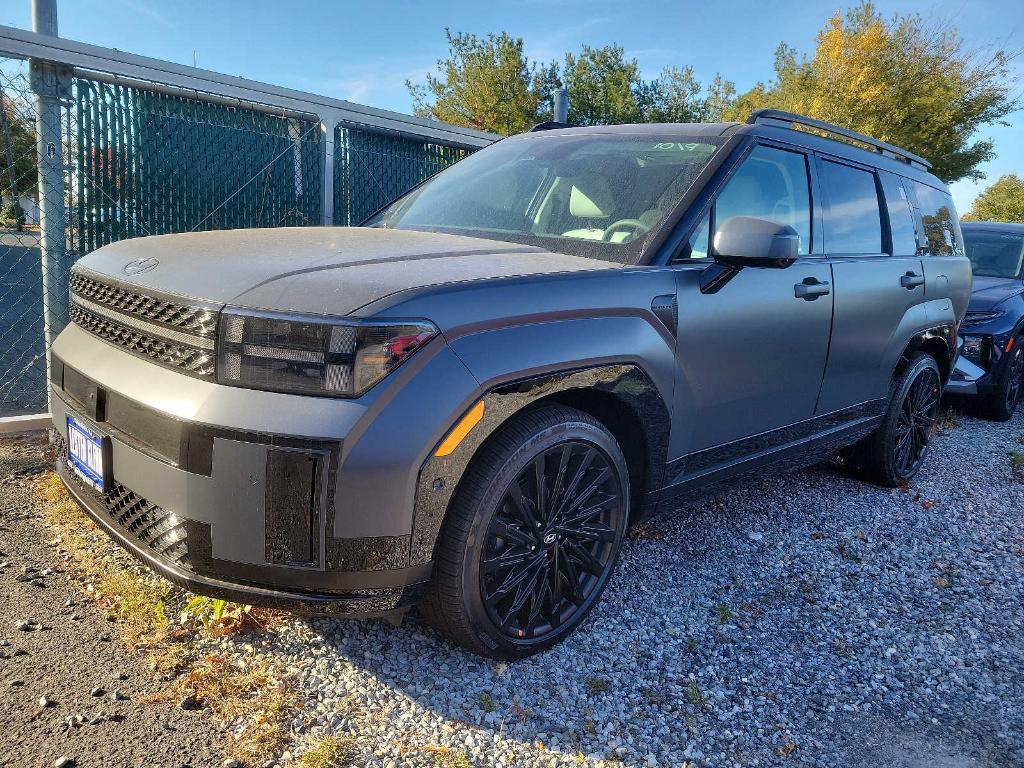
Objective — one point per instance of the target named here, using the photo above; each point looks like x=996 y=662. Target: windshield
x=590 y=195
x=994 y=254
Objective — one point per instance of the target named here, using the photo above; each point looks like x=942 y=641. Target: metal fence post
x=328 y=122
x=51 y=83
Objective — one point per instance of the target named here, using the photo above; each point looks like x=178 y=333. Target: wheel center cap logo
x=139 y=266
x=550 y=538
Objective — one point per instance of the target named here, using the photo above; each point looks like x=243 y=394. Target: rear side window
x=939 y=222
x=901 y=216
x=853 y=222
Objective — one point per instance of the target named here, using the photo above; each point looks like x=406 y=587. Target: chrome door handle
x=810 y=289
x=911 y=280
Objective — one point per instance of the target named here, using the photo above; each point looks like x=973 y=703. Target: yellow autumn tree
x=904 y=80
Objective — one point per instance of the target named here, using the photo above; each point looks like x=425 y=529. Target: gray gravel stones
x=804 y=619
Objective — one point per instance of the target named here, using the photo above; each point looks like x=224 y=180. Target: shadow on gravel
x=806 y=616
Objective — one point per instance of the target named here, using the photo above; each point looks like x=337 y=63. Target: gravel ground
x=806 y=619
x=68 y=651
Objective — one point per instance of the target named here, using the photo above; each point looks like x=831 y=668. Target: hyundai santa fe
x=463 y=404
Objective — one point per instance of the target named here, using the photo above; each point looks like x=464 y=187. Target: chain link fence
x=151 y=163
x=22 y=344
x=372 y=169
x=139 y=160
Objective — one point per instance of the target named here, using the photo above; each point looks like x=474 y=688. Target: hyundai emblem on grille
x=139 y=265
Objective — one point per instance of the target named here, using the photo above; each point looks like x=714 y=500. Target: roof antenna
x=560 y=112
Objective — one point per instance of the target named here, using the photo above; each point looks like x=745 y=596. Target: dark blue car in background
x=991 y=364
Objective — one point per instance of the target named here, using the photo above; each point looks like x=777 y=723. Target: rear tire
x=892 y=454
x=1001 y=402
x=545 y=500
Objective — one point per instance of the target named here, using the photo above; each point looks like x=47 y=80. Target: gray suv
x=463 y=403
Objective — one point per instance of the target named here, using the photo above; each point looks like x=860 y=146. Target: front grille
x=198 y=321
x=136 y=518
x=173 y=334
x=158 y=529
x=195 y=361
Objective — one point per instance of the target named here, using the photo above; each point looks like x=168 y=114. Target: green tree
x=911 y=82
x=1002 y=201
x=488 y=83
x=17 y=147
x=604 y=87
x=484 y=83
x=676 y=96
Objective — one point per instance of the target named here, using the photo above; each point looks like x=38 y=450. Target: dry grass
x=647 y=531
x=446 y=757
x=252 y=698
x=331 y=752
x=255 y=698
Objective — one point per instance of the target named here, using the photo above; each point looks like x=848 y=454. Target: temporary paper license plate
x=86 y=454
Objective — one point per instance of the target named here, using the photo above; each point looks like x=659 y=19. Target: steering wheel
x=637 y=226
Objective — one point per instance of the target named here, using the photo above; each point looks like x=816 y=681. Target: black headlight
x=976 y=317
x=975 y=349
x=312 y=355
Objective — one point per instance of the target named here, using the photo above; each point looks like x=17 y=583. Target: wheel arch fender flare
x=939 y=341
x=621 y=391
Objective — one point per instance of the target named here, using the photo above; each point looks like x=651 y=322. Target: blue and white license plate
x=86 y=454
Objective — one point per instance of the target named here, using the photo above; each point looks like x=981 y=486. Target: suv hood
x=987 y=292
x=329 y=270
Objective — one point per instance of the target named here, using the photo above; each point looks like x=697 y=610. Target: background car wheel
x=894 y=453
x=531 y=536
x=1001 y=402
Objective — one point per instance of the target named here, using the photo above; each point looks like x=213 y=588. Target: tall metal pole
x=329 y=120
x=51 y=83
x=561 y=106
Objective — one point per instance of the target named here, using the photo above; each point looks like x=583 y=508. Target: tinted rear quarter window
x=901 y=216
x=939 y=223
x=853 y=223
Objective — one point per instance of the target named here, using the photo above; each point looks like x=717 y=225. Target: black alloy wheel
x=896 y=450
x=531 y=535
x=1016 y=373
x=551 y=540
x=1014 y=386
x=916 y=422
x=1001 y=403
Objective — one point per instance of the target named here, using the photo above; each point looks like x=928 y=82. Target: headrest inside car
x=595 y=203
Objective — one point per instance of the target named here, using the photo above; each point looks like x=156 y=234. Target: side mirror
x=743 y=241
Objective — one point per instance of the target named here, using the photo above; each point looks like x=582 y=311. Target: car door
x=879 y=280
x=751 y=352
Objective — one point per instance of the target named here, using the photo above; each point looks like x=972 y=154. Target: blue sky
x=365 y=51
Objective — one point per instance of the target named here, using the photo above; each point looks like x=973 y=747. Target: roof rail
x=782 y=119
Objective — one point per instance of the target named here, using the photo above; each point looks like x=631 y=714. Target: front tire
x=892 y=454
x=1001 y=402
x=531 y=536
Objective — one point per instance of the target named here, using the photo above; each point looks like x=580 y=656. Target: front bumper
x=176 y=565
x=307 y=503
x=968 y=379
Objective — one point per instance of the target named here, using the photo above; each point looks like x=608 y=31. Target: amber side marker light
x=460 y=430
